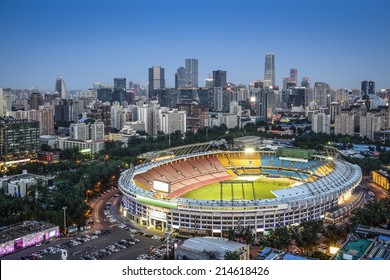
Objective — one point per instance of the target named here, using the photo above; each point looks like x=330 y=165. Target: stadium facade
x=153 y=191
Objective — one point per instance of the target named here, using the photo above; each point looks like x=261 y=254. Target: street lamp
x=64 y=208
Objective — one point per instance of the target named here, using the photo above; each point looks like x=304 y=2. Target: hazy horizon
x=338 y=42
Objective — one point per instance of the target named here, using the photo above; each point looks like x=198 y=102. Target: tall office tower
x=46 y=120
x=191 y=72
x=321 y=92
x=120 y=84
x=104 y=94
x=209 y=82
x=219 y=78
x=119 y=93
x=36 y=100
x=285 y=81
x=259 y=100
x=305 y=82
x=60 y=87
x=180 y=77
x=19 y=139
x=321 y=122
x=294 y=75
x=344 y=123
x=297 y=97
x=269 y=70
x=156 y=80
x=368 y=87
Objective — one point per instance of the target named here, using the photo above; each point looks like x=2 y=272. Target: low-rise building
x=381 y=178
x=18 y=185
x=206 y=248
x=26 y=234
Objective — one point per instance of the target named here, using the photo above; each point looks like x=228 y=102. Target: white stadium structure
x=153 y=191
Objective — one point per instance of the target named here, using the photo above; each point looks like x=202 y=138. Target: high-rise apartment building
x=156 y=80
x=321 y=92
x=191 y=72
x=171 y=120
x=2 y=111
x=370 y=123
x=269 y=70
x=6 y=99
x=96 y=131
x=321 y=122
x=78 y=131
x=60 y=88
x=46 y=120
x=344 y=123
x=36 y=100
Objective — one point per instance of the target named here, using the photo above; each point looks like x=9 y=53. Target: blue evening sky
x=340 y=42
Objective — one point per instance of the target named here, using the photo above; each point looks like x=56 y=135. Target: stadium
x=199 y=190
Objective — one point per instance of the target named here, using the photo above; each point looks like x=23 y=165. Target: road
x=100 y=223
x=379 y=192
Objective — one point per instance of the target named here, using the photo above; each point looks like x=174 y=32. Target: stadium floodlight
x=249 y=150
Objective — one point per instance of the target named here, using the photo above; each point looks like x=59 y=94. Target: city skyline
x=45 y=40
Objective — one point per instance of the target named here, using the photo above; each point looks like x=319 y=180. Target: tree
x=306 y=235
x=231 y=255
x=280 y=238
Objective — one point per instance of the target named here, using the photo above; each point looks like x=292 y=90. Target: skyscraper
x=294 y=75
x=321 y=92
x=120 y=84
x=2 y=111
x=305 y=82
x=119 y=89
x=60 y=87
x=180 y=77
x=368 y=87
x=269 y=70
x=156 y=79
x=191 y=72
x=36 y=100
x=219 y=78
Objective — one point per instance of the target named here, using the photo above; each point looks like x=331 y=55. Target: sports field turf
x=262 y=186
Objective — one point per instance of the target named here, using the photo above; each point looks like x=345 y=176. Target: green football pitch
x=262 y=188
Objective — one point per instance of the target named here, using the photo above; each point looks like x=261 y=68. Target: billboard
x=294 y=153
x=161 y=186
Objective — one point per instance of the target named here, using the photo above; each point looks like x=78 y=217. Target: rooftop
x=217 y=245
x=19 y=230
x=354 y=249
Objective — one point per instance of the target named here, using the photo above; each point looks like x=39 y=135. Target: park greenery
x=79 y=177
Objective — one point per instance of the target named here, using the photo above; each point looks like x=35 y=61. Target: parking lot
x=109 y=240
